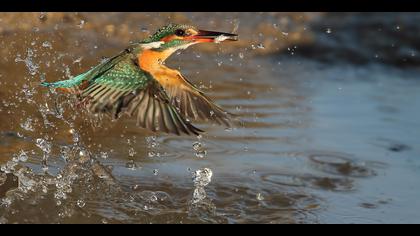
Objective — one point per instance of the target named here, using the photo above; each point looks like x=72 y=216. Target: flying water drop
x=44 y=145
x=27 y=125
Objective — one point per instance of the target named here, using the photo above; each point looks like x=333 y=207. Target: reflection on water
x=318 y=142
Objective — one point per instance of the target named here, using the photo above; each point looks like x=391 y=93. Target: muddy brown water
x=321 y=142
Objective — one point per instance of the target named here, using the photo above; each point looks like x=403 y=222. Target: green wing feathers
x=125 y=89
x=105 y=90
x=119 y=87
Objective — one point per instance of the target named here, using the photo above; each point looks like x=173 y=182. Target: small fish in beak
x=212 y=36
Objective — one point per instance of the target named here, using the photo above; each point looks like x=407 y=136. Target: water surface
x=321 y=141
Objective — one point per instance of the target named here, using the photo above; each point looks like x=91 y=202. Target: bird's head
x=174 y=36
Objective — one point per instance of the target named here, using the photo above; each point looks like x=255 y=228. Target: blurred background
x=329 y=103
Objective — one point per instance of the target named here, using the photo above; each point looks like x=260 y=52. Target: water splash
x=201 y=178
x=32 y=67
x=27 y=125
x=21 y=157
x=47 y=44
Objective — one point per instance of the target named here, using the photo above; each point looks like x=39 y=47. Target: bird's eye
x=180 y=32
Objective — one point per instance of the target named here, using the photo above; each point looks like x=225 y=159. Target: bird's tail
x=71 y=85
x=61 y=85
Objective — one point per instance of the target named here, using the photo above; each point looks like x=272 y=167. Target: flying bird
x=136 y=82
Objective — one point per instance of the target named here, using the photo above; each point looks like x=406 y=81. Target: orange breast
x=151 y=61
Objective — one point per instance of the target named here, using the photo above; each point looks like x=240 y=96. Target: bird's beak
x=211 y=36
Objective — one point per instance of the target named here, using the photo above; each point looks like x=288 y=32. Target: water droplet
x=78 y=60
x=83 y=153
x=151 y=142
x=43 y=16
x=151 y=154
x=285 y=33
x=81 y=203
x=131 y=152
x=241 y=55
x=328 y=31
x=202 y=177
x=201 y=153
x=47 y=44
x=153 y=198
x=44 y=145
x=27 y=125
x=199 y=195
x=81 y=24
x=131 y=165
x=197 y=146
x=260 y=46
x=104 y=155
x=260 y=197
x=23 y=157
x=28 y=91
x=75 y=135
x=155 y=172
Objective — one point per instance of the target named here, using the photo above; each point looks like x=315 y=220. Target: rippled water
x=320 y=142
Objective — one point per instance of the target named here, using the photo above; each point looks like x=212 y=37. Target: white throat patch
x=151 y=45
x=184 y=46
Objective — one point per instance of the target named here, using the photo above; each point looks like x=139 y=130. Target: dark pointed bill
x=213 y=36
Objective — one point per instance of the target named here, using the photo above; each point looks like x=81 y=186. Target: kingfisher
x=136 y=82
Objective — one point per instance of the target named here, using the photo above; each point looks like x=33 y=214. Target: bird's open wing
x=124 y=89
x=193 y=103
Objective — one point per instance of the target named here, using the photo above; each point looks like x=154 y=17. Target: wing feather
x=125 y=89
x=193 y=103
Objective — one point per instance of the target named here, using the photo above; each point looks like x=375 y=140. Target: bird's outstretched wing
x=124 y=89
x=193 y=103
